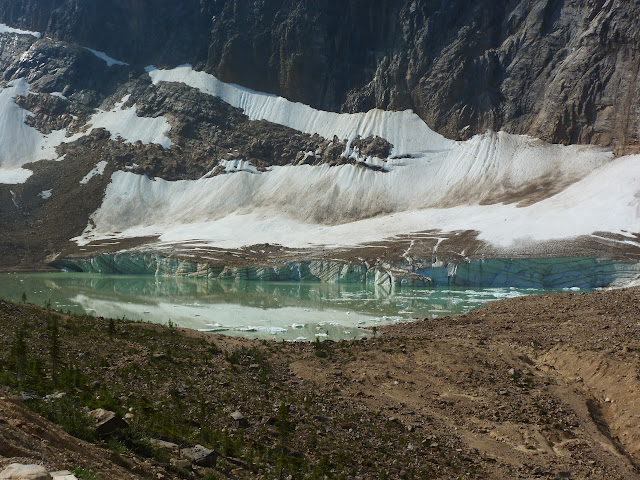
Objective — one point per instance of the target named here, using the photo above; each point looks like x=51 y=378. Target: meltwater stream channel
x=302 y=311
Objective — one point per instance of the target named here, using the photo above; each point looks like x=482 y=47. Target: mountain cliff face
x=565 y=71
x=244 y=133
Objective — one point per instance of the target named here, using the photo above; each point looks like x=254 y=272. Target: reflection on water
x=284 y=311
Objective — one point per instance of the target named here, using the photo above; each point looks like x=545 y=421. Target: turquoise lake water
x=283 y=311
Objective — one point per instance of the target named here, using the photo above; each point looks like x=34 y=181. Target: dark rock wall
x=562 y=70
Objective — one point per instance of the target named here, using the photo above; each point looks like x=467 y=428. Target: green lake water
x=283 y=311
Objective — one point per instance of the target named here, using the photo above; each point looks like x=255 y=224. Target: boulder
x=17 y=471
x=107 y=422
x=201 y=456
x=161 y=444
x=63 y=475
x=239 y=419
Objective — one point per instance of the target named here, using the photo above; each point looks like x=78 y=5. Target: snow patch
x=45 y=194
x=126 y=124
x=21 y=144
x=7 y=29
x=13 y=176
x=97 y=171
x=103 y=56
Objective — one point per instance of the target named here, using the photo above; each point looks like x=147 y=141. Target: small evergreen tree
x=19 y=351
x=54 y=347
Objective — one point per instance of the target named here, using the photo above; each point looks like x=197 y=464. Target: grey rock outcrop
x=564 y=71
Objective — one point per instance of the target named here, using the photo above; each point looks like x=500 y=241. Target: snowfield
x=405 y=130
x=512 y=189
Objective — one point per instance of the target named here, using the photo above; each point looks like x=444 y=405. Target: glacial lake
x=256 y=309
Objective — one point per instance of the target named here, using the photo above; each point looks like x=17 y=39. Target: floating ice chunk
x=103 y=56
x=7 y=29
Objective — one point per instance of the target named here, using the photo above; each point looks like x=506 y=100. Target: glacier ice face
x=561 y=272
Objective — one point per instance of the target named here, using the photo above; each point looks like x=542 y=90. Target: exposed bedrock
x=564 y=71
x=564 y=272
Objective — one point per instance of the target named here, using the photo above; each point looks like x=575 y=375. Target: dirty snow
x=285 y=206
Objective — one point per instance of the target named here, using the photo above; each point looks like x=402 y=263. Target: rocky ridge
x=563 y=71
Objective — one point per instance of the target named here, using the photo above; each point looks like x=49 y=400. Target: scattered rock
x=107 y=422
x=239 y=419
x=161 y=444
x=201 y=456
x=180 y=463
x=28 y=396
x=55 y=396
